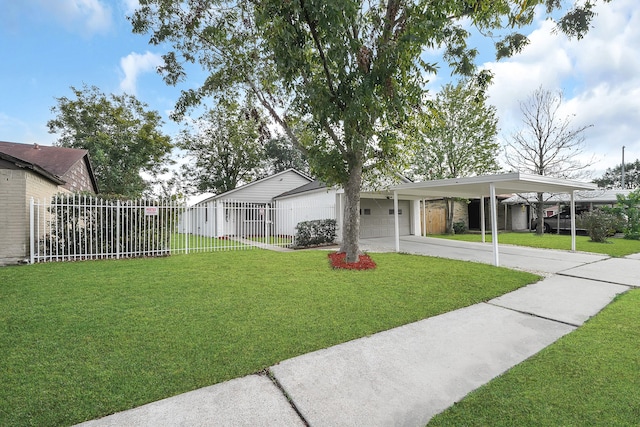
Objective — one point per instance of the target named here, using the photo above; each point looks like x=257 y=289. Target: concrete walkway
x=517 y=257
x=404 y=376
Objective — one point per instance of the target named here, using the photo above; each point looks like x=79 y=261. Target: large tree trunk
x=351 y=223
x=540 y=215
x=448 y=211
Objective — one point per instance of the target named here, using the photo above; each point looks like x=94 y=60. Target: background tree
x=547 y=144
x=458 y=137
x=122 y=136
x=612 y=178
x=224 y=148
x=350 y=71
x=281 y=155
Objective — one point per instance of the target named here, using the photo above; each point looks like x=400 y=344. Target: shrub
x=459 y=227
x=629 y=208
x=83 y=224
x=316 y=232
x=599 y=224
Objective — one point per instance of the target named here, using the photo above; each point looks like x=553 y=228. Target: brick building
x=32 y=170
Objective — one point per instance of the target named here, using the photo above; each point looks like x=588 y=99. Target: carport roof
x=479 y=186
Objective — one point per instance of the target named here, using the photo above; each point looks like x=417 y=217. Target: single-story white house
x=276 y=204
x=376 y=208
x=244 y=211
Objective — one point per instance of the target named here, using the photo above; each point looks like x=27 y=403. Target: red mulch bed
x=337 y=260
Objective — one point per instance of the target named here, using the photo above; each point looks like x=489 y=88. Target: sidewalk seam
x=595 y=280
x=275 y=382
x=533 y=315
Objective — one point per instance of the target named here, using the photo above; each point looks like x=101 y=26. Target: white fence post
x=31 y=232
x=117 y=242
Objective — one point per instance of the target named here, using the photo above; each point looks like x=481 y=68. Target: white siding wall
x=210 y=218
x=320 y=204
x=265 y=190
x=377 y=219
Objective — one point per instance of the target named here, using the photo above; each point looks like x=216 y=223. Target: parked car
x=552 y=223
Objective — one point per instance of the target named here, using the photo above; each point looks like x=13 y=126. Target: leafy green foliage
x=612 y=178
x=315 y=232
x=629 y=208
x=89 y=226
x=281 y=155
x=458 y=134
x=224 y=148
x=83 y=340
x=599 y=224
x=460 y=227
x=123 y=138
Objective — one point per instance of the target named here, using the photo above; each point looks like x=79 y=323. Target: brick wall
x=13 y=221
x=17 y=186
x=78 y=179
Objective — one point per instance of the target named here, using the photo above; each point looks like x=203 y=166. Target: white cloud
x=130 y=6
x=600 y=77
x=133 y=65
x=88 y=16
x=85 y=17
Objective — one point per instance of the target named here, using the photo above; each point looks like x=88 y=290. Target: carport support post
x=424 y=216
x=395 y=220
x=494 y=223
x=573 y=221
x=482 y=220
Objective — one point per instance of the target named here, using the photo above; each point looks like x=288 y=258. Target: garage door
x=377 y=219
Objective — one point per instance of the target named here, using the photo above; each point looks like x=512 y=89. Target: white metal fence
x=77 y=227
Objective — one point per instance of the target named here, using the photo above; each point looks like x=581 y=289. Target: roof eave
x=33 y=167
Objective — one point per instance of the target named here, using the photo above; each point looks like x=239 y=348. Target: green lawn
x=614 y=247
x=194 y=243
x=274 y=240
x=82 y=340
x=590 y=377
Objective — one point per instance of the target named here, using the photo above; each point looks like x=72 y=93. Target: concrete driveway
x=518 y=257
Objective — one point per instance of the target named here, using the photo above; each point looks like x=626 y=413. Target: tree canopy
x=281 y=154
x=224 y=148
x=122 y=136
x=612 y=178
x=458 y=135
x=343 y=78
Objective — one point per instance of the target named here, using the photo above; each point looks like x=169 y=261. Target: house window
x=366 y=211
x=391 y=211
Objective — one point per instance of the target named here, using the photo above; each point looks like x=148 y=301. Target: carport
x=489 y=186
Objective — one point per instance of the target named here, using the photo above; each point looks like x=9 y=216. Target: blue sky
x=49 y=45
